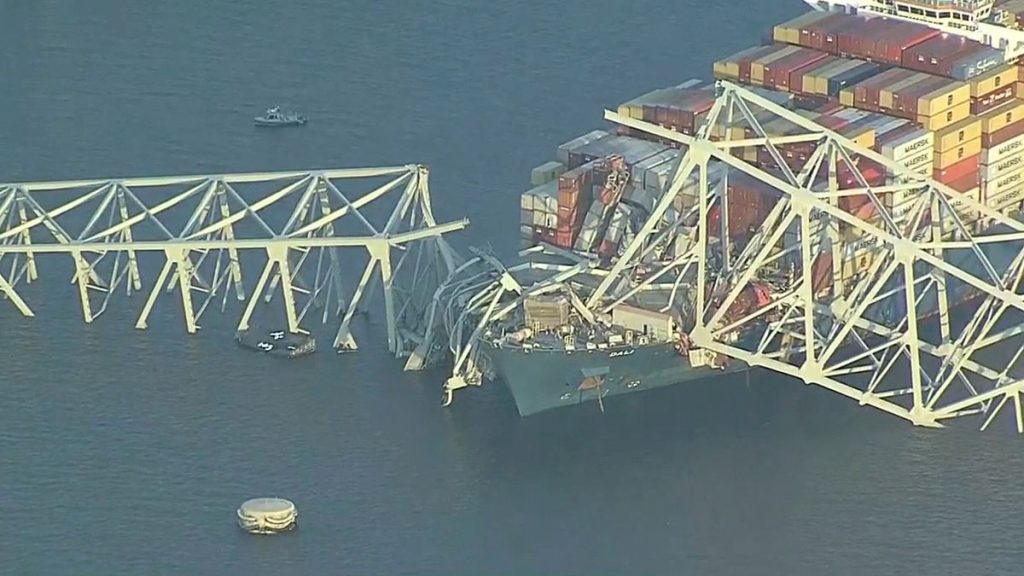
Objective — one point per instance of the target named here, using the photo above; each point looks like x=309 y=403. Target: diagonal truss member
x=202 y=231
x=894 y=333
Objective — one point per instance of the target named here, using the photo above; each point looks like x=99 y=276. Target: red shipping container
x=957 y=171
x=824 y=34
x=777 y=74
x=565 y=239
x=965 y=183
x=821 y=273
x=937 y=55
x=1002 y=135
x=986 y=102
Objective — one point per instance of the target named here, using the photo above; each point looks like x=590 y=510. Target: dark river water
x=127 y=452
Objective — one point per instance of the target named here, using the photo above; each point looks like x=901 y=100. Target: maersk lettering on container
x=1009 y=197
x=994 y=188
x=990 y=156
x=1003 y=167
x=908 y=145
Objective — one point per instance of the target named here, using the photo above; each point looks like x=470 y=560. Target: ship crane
x=890 y=337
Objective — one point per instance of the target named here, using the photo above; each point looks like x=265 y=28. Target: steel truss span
x=204 y=232
x=861 y=268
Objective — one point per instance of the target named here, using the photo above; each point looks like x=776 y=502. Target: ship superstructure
x=995 y=24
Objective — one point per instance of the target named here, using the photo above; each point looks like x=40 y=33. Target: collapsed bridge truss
x=867 y=297
x=203 y=232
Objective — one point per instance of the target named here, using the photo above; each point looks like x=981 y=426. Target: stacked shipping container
x=936 y=104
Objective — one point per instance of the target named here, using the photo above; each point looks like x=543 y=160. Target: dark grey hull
x=544 y=380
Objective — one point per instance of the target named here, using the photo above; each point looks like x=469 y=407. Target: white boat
x=979 y=20
x=275 y=117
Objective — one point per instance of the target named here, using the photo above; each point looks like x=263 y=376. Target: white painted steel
x=826 y=337
x=201 y=251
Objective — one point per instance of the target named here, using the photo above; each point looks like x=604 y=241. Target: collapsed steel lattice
x=203 y=225
x=855 y=336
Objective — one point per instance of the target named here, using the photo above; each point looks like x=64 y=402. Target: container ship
x=940 y=101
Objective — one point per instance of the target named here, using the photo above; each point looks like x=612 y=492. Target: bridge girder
x=888 y=330
x=203 y=228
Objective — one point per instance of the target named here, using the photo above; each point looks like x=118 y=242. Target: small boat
x=275 y=117
x=277 y=343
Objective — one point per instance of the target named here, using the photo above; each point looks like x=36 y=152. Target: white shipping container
x=526 y=200
x=1010 y=197
x=541 y=218
x=901 y=197
x=526 y=217
x=579 y=142
x=993 y=155
x=921 y=163
x=546 y=172
x=994 y=188
x=959 y=204
x=909 y=144
x=550 y=220
x=1005 y=166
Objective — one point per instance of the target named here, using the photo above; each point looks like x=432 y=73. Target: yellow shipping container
x=863 y=137
x=727 y=70
x=953 y=94
x=993 y=80
x=757 y=66
x=846 y=97
x=1002 y=116
x=945 y=118
x=822 y=75
x=957 y=133
x=953 y=155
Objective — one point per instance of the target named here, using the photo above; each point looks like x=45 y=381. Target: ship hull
x=542 y=380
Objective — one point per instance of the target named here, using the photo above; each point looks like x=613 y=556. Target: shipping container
x=957 y=133
x=958 y=170
x=952 y=56
x=779 y=73
x=633 y=150
x=993 y=189
x=947 y=158
x=946 y=118
x=737 y=66
x=839 y=81
x=865 y=94
x=565 y=149
x=889 y=94
x=977 y=63
x=908 y=141
x=1003 y=167
x=920 y=164
x=547 y=172
x=777 y=52
x=995 y=79
x=1002 y=136
x=823 y=34
x=1002 y=116
x=1008 y=200
x=806 y=80
x=881 y=39
x=994 y=154
x=995 y=98
x=789 y=31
